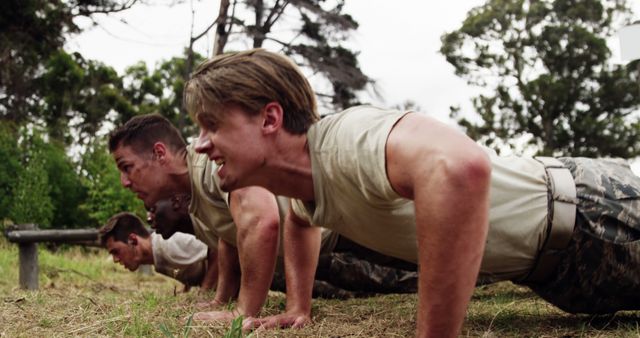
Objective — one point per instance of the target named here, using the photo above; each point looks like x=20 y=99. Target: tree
x=105 y=195
x=66 y=190
x=10 y=166
x=316 y=42
x=77 y=95
x=31 y=200
x=31 y=31
x=547 y=64
x=159 y=91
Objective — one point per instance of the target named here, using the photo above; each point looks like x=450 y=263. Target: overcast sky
x=398 y=43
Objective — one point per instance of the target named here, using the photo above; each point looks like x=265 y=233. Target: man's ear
x=160 y=152
x=132 y=239
x=273 y=115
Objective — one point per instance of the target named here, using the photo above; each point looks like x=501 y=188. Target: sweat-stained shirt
x=353 y=195
x=209 y=207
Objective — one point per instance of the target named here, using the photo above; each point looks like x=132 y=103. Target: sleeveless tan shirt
x=209 y=208
x=353 y=195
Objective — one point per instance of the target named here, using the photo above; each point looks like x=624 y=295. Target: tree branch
x=113 y=9
x=277 y=11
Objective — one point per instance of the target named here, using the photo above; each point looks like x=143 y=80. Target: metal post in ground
x=28 y=257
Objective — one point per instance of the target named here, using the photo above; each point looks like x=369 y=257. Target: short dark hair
x=120 y=225
x=142 y=131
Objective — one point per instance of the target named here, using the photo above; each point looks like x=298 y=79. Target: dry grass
x=82 y=293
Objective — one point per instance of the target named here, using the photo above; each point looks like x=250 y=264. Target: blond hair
x=251 y=79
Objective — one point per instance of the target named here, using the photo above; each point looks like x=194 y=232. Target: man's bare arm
x=448 y=177
x=255 y=213
x=229 y=273
x=211 y=275
x=302 y=248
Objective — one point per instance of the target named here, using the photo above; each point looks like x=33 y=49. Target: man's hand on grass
x=210 y=305
x=216 y=316
x=284 y=320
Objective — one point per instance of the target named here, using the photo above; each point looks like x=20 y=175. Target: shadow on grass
x=517 y=323
x=502 y=292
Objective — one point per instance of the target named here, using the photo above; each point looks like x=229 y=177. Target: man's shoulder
x=355 y=118
x=346 y=128
x=195 y=159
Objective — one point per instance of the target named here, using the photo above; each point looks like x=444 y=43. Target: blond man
x=408 y=186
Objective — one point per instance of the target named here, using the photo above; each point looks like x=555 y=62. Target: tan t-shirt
x=182 y=257
x=353 y=195
x=209 y=208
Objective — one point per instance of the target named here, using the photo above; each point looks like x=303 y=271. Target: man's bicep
x=248 y=205
x=401 y=154
x=418 y=147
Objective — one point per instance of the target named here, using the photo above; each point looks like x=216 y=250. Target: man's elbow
x=270 y=227
x=471 y=172
x=266 y=228
x=478 y=168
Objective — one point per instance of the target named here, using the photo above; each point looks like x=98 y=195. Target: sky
x=398 y=43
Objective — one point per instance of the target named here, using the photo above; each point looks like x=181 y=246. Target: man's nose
x=203 y=143
x=124 y=180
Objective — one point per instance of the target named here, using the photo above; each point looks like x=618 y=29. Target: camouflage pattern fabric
x=599 y=271
x=352 y=270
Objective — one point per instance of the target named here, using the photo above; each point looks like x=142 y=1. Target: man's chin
x=148 y=202
x=228 y=185
x=166 y=235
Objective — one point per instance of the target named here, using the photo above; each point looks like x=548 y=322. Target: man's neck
x=179 y=172
x=146 y=250
x=288 y=171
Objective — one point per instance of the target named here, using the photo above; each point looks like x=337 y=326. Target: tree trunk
x=222 y=33
x=258 y=34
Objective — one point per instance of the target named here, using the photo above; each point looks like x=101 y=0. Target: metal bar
x=28 y=258
x=32 y=236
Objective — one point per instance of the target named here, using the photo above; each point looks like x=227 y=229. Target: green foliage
x=31 y=33
x=105 y=195
x=546 y=66
x=159 y=91
x=235 y=330
x=10 y=166
x=30 y=30
x=66 y=189
x=31 y=201
x=325 y=29
x=320 y=29
x=79 y=90
x=185 y=332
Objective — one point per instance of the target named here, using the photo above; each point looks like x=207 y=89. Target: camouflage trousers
x=599 y=271
x=352 y=270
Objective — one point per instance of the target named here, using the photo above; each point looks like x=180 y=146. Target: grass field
x=82 y=293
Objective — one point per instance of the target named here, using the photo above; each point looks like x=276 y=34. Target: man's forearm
x=302 y=248
x=258 y=253
x=229 y=273
x=255 y=212
x=450 y=248
x=211 y=274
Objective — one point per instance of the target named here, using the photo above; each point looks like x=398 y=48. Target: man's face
x=236 y=146
x=126 y=254
x=168 y=219
x=141 y=173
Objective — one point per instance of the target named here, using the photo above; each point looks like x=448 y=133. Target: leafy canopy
x=545 y=65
